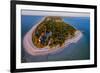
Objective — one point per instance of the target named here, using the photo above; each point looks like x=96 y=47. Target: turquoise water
x=76 y=51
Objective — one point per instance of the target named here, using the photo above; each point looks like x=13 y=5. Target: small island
x=50 y=35
x=52 y=32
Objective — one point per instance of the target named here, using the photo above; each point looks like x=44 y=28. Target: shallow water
x=76 y=51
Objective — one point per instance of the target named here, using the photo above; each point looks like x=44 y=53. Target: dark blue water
x=76 y=51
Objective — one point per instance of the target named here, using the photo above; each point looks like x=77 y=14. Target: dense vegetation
x=60 y=31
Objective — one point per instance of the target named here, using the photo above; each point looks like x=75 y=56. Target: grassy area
x=61 y=31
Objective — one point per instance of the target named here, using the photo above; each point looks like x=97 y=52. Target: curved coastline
x=31 y=49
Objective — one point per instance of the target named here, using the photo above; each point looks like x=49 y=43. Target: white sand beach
x=31 y=49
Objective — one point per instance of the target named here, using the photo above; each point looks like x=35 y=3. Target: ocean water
x=75 y=51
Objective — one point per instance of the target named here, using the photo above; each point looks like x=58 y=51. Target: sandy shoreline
x=33 y=50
